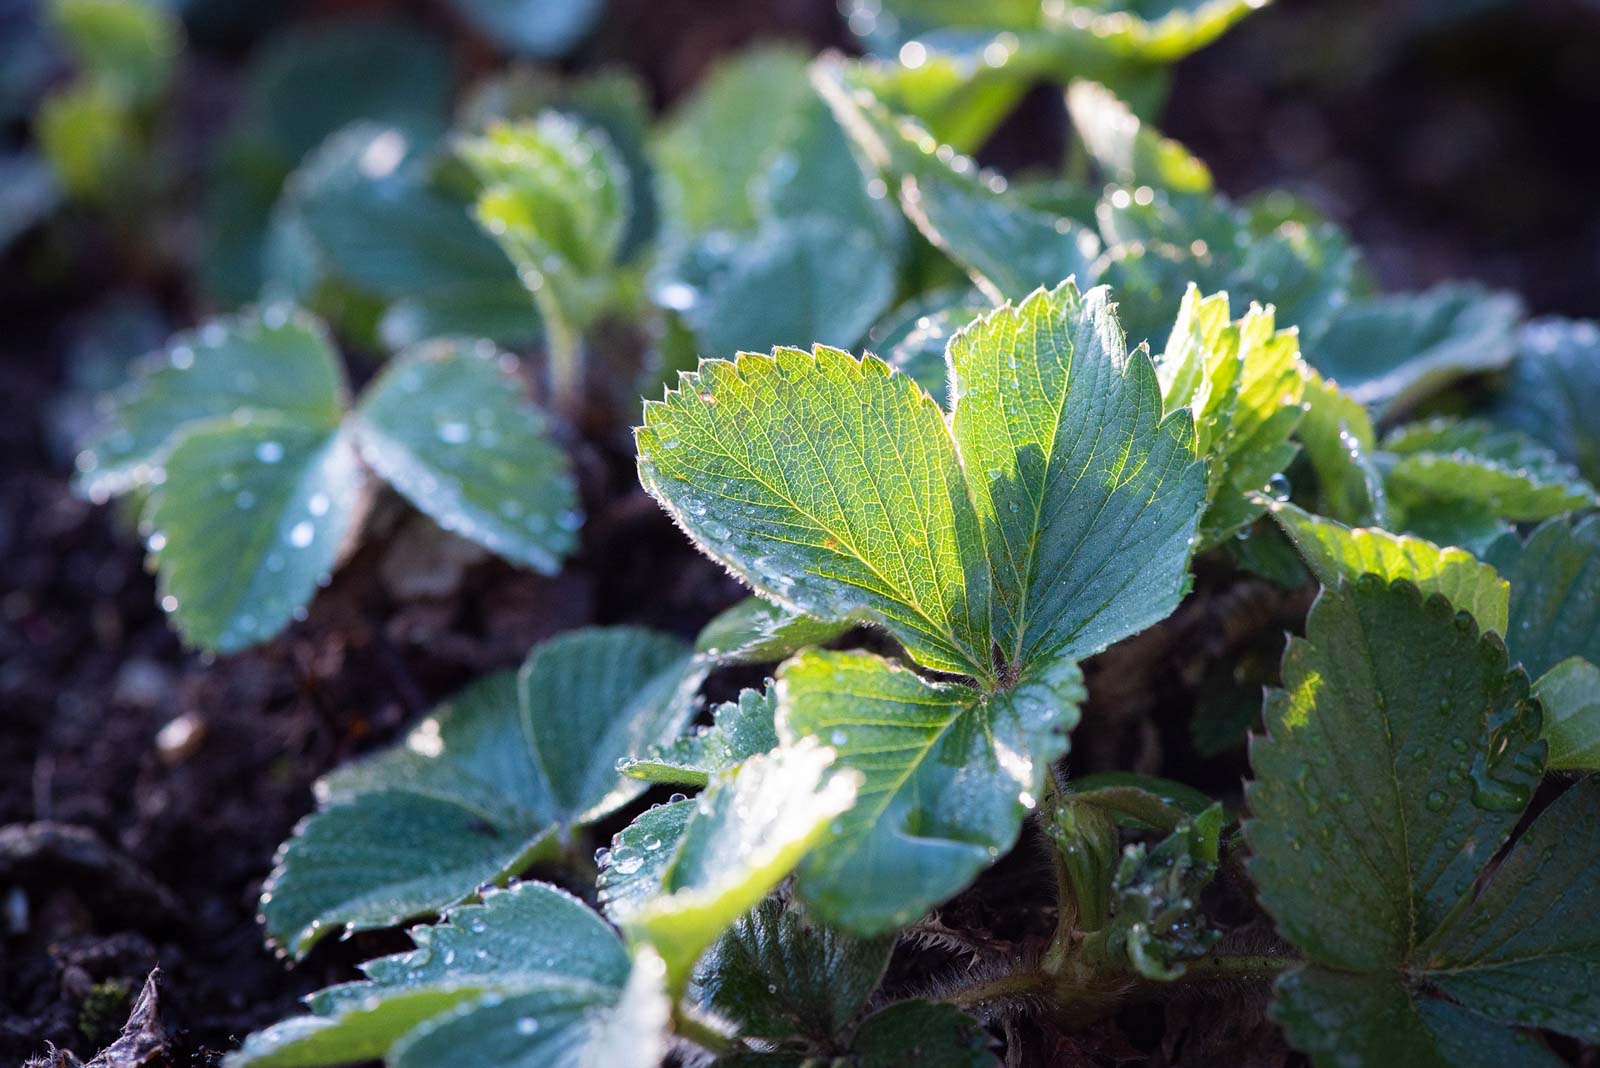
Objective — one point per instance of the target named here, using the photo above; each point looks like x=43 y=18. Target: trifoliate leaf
x=449 y=428
x=1339 y=554
x=1570 y=696
x=758 y=631
x=372 y=221
x=1155 y=925
x=1556 y=372
x=1007 y=247
x=539 y=28
x=739 y=730
x=250 y=518
x=1339 y=441
x=555 y=195
x=776 y=974
x=1089 y=498
x=748 y=830
x=791 y=469
x=1388 y=352
x=1125 y=150
x=1382 y=794
x=949 y=775
x=1555 y=593
x=529 y=974
x=1243 y=382
x=792 y=281
x=272 y=364
x=481 y=787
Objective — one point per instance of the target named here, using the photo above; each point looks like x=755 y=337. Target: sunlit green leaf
x=758 y=631
x=1127 y=151
x=913 y=337
x=1570 y=695
x=1339 y=441
x=949 y=775
x=739 y=729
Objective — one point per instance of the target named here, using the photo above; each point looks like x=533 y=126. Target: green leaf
x=758 y=631
x=788 y=468
x=913 y=337
x=1470 y=467
x=1008 y=247
x=448 y=427
x=250 y=519
x=1381 y=791
x=539 y=28
x=1570 y=696
x=555 y=195
x=792 y=281
x=1339 y=554
x=632 y=868
x=708 y=165
x=1155 y=923
x=949 y=775
x=529 y=974
x=1382 y=796
x=482 y=787
x=1557 y=371
x=1555 y=593
x=372 y=220
x=1125 y=150
x=1527 y=951
x=273 y=363
x=776 y=974
x=1243 y=382
x=1089 y=498
x=739 y=730
x=1159 y=243
x=90 y=139
x=128 y=46
x=1339 y=442
x=748 y=830
x=1391 y=351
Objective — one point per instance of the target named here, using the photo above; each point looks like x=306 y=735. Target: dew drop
x=269 y=452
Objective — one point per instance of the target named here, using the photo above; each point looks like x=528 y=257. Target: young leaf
x=1339 y=554
x=949 y=774
x=207 y=374
x=1089 y=498
x=482 y=787
x=530 y=973
x=1381 y=795
x=790 y=469
x=251 y=518
x=757 y=631
x=1556 y=372
x=1125 y=150
x=1389 y=352
x=1243 y=382
x=748 y=830
x=778 y=974
x=449 y=428
x=739 y=730
x=1155 y=926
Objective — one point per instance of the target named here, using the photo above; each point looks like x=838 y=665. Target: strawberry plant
x=983 y=618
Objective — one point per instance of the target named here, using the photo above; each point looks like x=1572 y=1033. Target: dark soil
x=1456 y=149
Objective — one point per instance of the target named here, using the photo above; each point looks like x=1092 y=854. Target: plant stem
x=563 y=354
x=1251 y=967
x=1012 y=984
x=687 y=1024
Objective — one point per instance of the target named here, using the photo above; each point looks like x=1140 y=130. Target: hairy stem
x=1240 y=967
x=1013 y=984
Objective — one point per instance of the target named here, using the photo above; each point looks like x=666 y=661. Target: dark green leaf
x=1570 y=696
x=739 y=729
x=1555 y=593
x=924 y=1033
x=1155 y=923
x=1556 y=374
